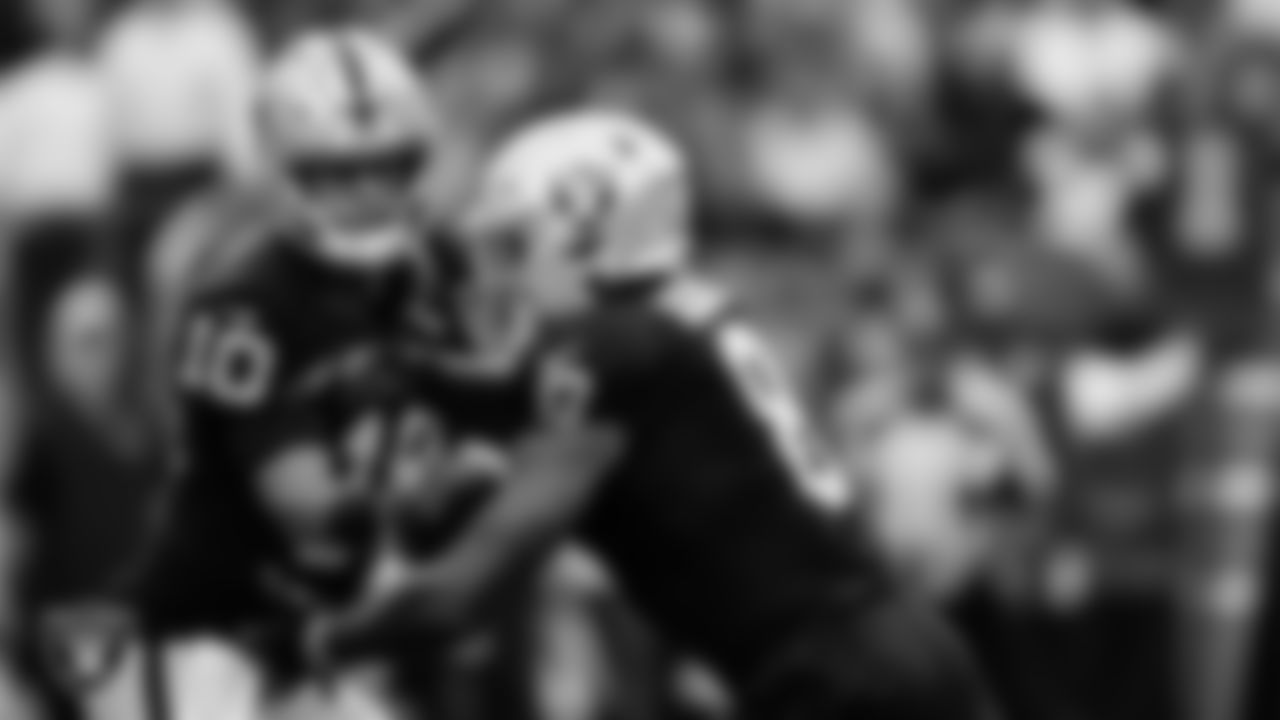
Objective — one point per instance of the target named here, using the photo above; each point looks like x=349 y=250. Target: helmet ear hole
x=656 y=212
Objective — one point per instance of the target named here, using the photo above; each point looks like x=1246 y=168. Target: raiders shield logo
x=83 y=646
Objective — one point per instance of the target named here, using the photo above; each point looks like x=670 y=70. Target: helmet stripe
x=363 y=106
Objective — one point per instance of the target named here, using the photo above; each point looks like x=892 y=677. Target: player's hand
x=375 y=628
x=701 y=692
x=568 y=449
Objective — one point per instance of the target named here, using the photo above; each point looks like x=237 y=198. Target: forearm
x=487 y=560
x=456 y=590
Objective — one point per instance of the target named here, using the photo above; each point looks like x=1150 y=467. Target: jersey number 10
x=228 y=359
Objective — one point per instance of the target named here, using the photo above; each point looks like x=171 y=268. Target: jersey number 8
x=771 y=399
x=227 y=359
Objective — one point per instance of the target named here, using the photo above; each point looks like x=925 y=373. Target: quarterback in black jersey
x=664 y=438
x=287 y=392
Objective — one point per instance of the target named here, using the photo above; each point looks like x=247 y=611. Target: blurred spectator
x=938 y=434
x=1228 y=598
x=56 y=193
x=484 y=87
x=58 y=179
x=682 y=34
x=1218 y=256
x=86 y=462
x=1087 y=182
x=490 y=81
x=892 y=52
x=87 y=474
x=182 y=78
x=1124 y=398
x=1256 y=19
x=1112 y=391
x=801 y=30
x=1083 y=59
x=957 y=465
x=978 y=121
x=819 y=161
x=1209 y=221
x=1096 y=70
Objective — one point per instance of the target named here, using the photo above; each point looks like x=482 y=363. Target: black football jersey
x=275 y=347
x=722 y=520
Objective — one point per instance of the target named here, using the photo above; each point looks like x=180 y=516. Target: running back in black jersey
x=723 y=521
x=722 y=518
x=276 y=346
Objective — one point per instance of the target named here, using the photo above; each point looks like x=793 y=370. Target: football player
x=287 y=397
x=667 y=438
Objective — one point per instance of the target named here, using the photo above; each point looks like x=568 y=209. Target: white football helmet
x=350 y=126
x=588 y=196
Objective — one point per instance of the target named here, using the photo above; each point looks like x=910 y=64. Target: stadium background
x=1017 y=252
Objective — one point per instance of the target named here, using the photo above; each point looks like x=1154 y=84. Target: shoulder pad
x=237 y=248
x=694 y=301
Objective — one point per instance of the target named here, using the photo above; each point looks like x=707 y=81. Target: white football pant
x=214 y=679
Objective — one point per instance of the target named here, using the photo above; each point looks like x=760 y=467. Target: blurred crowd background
x=1018 y=253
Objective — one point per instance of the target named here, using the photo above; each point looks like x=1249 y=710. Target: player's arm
x=558 y=468
x=311 y=497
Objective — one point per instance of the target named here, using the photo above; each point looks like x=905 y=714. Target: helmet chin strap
x=372 y=247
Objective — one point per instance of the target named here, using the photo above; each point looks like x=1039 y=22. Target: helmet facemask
x=349 y=127
x=362 y=205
